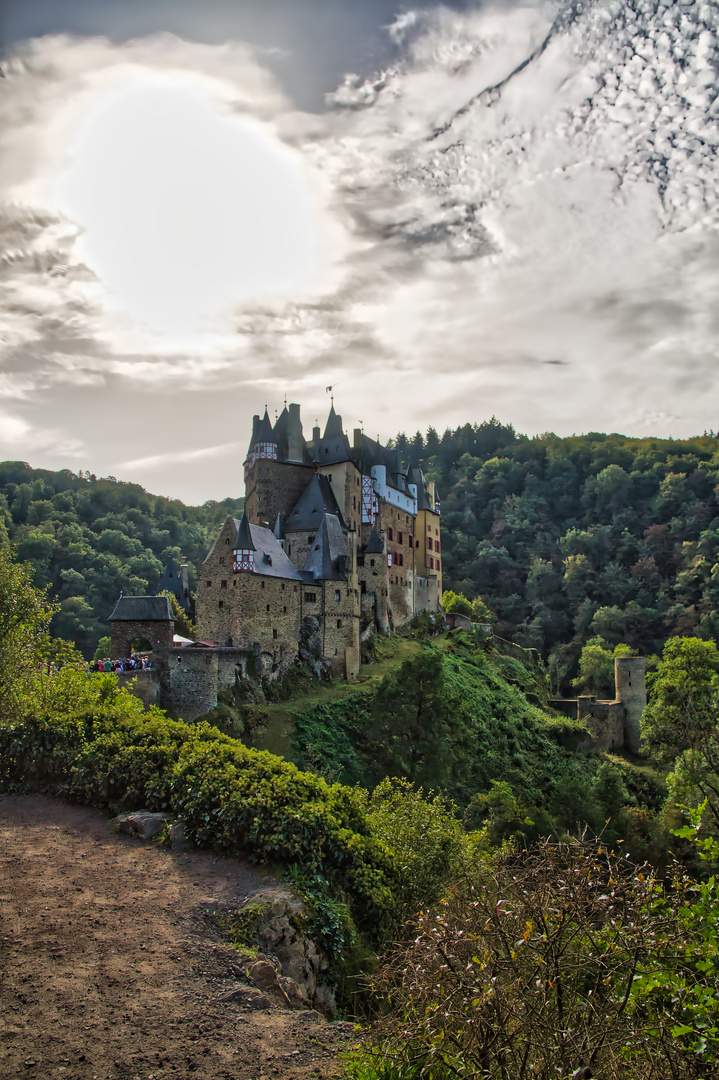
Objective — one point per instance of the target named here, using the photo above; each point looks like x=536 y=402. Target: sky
x=445 y=212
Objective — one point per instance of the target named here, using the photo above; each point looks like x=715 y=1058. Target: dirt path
x=110 y=968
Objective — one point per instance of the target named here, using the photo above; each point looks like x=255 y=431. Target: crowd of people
x=136 y=662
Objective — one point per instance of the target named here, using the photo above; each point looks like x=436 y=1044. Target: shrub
x=565 y=961
x=88 y=732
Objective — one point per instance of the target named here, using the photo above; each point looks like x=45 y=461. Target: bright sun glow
x=186 y=209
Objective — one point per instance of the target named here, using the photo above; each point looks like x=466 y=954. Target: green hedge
x=96 y=738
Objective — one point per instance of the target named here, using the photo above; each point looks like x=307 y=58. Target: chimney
x=357 y=438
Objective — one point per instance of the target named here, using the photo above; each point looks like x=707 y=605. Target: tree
x=25 y=614
x=183 y=623
x=596 y=667
x=684 y=702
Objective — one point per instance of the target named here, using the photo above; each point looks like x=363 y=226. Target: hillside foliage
x=566 y=539
x=90 y=538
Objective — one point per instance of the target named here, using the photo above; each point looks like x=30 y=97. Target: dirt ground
x=110 y=968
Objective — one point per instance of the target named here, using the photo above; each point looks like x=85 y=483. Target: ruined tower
x=631 y=690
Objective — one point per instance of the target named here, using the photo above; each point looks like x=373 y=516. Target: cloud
x=521 y=217
x=181 y=456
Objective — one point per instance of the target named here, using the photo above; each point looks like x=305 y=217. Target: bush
x=425 y=838
x=97 y=738
x=563 y=962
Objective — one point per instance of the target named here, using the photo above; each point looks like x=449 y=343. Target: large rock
x=140 y=823
x=278 y=934
x=247 y=996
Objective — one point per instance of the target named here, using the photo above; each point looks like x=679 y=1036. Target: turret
x=263 y=444
x=243 y=556
x=631 y=690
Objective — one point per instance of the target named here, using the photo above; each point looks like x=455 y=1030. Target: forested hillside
x=91 y=538
x=569 y=538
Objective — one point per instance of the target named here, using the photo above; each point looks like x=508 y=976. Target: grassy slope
x=475 y=725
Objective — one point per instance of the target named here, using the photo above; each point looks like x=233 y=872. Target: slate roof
x=264 y=432
x=244 y=536
x=374 y=545
x=327 y=556
x=334 y=445
x=333 y=427
x=142 y=609
x=270 y=560
x=317 y=499
x=171 y=581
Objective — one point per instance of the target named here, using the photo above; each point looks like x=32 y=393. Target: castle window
x=274 y=634
x=329 y=477
x=371 y=562
x=337 y=596
x=416 y=543
x=436 y=562
x=283 y=586
x=310 y=597
x=399 y=538
x=363 y=587
x=429 y=542
x=268 y=607
x=389 y=558
x=208 y=583
x=284 y=609
x=263 y=584
x=310 y=539
x=227 y=543
x=222 y=558
x=234 y=583
x=221 y=603
x=401 y=559
x=223 y=584
x=390 y=534
x=360 y=560
x=294 y=588
x=411 y=541
x=317 y=547
x=431 y=564
x=339 y=624
x=436 y=545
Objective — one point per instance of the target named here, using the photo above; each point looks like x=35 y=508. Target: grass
x=277 y=735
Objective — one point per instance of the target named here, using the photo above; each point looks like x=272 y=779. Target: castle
x=338 y=540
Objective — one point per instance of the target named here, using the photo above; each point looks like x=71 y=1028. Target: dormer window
x=244 y=561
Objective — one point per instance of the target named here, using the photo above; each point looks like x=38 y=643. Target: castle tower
x=631 y=690
x=277 y=467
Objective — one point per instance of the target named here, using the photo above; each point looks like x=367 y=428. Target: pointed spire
x=244 y=535
x=264 y=431
x=374 y=544
x=333 y=427
x=279 y=529
x=327 y=558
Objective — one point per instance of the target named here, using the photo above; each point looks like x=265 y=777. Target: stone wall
x=247 y=610
x=273 y=487
x=426 y=594
x=196 y=675
x=373 y=577
x=122 y=633
x=398 y=529
x=341 y=626
x=605 y=722
x=346 y=482
x=143 y=684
